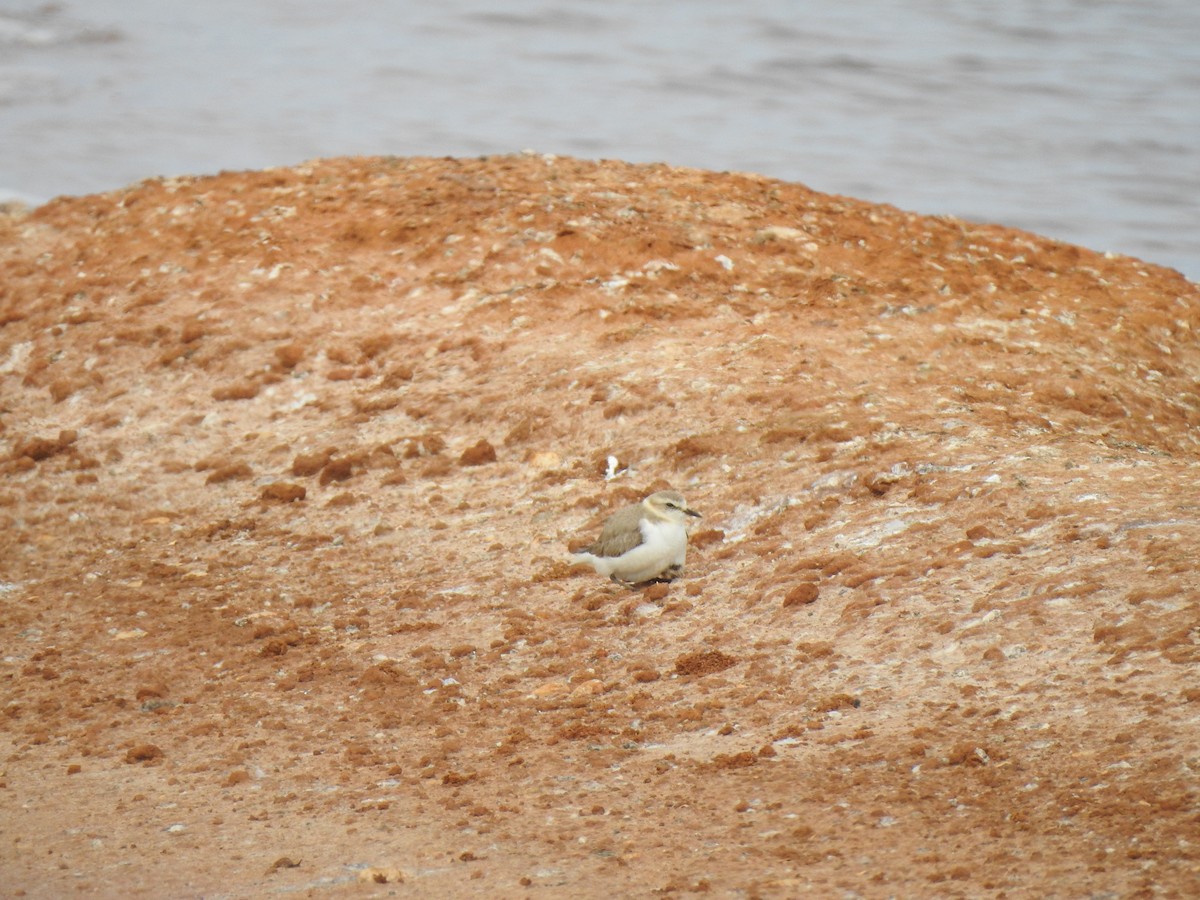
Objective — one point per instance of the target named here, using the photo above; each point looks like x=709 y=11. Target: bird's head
x=669 y=505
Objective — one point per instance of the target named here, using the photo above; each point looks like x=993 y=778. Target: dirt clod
x=804 y=593
x=143 y=753
x=478 y=454
x=284 y=492
x=703 y=662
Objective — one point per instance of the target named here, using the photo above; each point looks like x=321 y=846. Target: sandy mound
x=290 y=460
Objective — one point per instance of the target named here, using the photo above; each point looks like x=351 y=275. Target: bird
x=642 y=542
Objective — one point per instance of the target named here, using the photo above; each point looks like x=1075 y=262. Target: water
x=1077 y=119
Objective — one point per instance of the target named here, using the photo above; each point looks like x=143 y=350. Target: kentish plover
x=643 y=541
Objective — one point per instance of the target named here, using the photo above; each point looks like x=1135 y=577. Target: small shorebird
x=643 y=541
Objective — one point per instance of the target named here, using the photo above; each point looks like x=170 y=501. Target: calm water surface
x=1078 y=119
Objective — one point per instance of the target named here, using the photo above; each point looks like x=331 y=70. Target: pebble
x=588 y=688
x=545 y=459
x=381 y=875
x=550 y=689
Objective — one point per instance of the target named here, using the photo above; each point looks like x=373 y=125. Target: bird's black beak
x=692 y=512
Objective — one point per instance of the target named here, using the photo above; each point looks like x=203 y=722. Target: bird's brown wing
x=620 y=533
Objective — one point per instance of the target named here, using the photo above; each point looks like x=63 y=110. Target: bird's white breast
x=668 y=539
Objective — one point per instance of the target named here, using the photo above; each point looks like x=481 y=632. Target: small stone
x=478 y=455
x=656 y=592
x=337 y=470
x=803 y=593
x=381 y=875
x=245 y=390
x=703 y=662
x=589 y=688
x=881 y=482
x=289 y=356
x=781 y=233
x=143 y=753
x=549 y=689
x=284 y=492
x=311 y=463
x=229 y=473
x=545 y=459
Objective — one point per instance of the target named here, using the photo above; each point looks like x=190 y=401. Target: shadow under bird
x=644 y=541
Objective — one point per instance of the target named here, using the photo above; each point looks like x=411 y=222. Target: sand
x=290 y=462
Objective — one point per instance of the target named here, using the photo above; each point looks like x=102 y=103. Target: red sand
x=289 y=462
